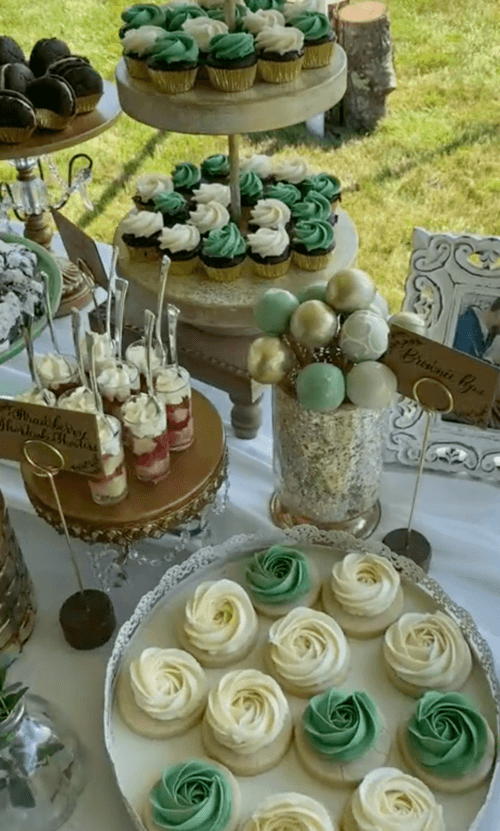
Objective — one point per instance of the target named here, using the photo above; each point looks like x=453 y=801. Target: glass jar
x=17 y=595
x=173 y=388
x=58 y=373
x=110 y=486
x=136 y=354
x=117 y=381
x=145 y=422
x=42 y=769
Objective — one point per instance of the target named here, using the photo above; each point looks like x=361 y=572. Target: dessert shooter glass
x=58 y=373
x=173 y=388
x=110 y=487
x=136 y=354
x=80 y=399
x=145 y=421
x=117 y=381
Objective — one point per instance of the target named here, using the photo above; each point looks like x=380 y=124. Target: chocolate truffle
x=83 y=78
x=45 y=52
x=15 y=76
x=17 y=117
x=53 y=100
x=10 y=51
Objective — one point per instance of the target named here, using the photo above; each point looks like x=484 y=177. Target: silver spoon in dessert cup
x=89 y=339
x=30 y=352
x=173 y=317
x=111 y=289
x=48 y=312
x=120 y=290
x=75 y=329
x=149 y=325
x=164 y=269
x=89 y=281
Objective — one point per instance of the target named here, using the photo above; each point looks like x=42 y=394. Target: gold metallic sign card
x=73 y=434
x=471 y=383
x=80 y=246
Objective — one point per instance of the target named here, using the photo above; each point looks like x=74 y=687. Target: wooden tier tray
x=205 y=109
x=82 y=128
x=148 y=511
x=224 y=308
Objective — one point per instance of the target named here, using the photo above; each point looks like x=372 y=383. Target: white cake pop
x=371 y=385
x=313 y=323
x=364 y=336
x=349 y=290
x=408 y=320
x=268 y=360
x=380 y=305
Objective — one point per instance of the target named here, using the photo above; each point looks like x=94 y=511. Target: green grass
x=434 y=161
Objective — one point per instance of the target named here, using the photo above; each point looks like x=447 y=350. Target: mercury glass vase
x=327 y=466
x=17 y=597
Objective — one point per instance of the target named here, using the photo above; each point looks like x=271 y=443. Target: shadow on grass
x=299 y=136
x=129 y=169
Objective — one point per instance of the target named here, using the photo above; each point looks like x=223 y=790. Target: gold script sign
x=471 y=382
x=73 y=434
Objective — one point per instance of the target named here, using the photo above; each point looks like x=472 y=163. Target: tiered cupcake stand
x=216 y=325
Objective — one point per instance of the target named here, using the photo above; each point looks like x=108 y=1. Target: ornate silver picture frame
x=454 y=283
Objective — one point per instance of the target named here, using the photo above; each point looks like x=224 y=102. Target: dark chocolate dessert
x=53 y=100
x=45 y=52
x=83 y=78
x=10 y=51
x=15 y=76
x=87 y=619
x=17 y=117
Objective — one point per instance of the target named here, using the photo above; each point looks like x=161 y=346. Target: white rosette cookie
x=247 y=723
x=219 y=625
x=363 y=594
x=162 y=693
x=307 y=652
x=426 y=652
x=289 y=812
x=391 y=800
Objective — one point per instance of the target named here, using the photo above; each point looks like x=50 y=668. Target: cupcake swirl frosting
x=141 y=41
x=280 y=39
x=308 y=648
x=280 y=574
x=214 y=192
x=254 y=22
x=143 y=14
x=260 y=163
x=341 y=726
x=209 y=215
x=447 y=735
x=284 y=192
x=314 y=25
x=291 y=170
x=179 y=238
x=269 y=242
x=247 y=710
x=314 y=234
x=251 y=185
x=427 y=650
x=270 y=213
x=219 y=619
x=216 y=165
x=394 y=801
x=180 y=14
x=203 y=29
x=364 y=584
x=152 y=184
x=175 y=47
x=142 y=223
x=325 y=184
x=286 y=811
x=186 y=175
x=167 y=683
x=169 y=202
x=224 y=243
x=255 y=5
x=192 y=796
x=291 y=10
x=233 y=46
x=314 y=206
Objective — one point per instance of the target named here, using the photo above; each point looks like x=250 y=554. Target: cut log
x=363 y=31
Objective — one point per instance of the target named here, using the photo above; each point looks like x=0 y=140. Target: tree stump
x=363 y=32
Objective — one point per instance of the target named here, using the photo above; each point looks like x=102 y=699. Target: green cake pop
x=316 y=291
x=273 y=311
x=320 y=387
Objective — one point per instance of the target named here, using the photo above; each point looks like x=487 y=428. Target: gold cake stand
x=196 y=475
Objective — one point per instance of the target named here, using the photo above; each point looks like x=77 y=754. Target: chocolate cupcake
x=10 y=51
x=15 y=76
x=53 y=100
x=45 y=52
x=251 y=190
x=172 y=206
x=232 y=62
x=84 y=80
x=173 y=63
x=17 y=117
x=186 y=176
x=216 y=168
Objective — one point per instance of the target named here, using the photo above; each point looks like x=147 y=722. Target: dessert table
x=459 y=516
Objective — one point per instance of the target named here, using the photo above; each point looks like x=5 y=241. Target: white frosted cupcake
x=363 y=594
x=203 y=29
x=426 y=652
x=212 y=192
x=447 y=743
x=269 y=213
x=270 y=252
x=150 y=185
x=294 y=171
x=280 y=578
x=162 y=693
x=388 y=798
x=341 y=737
x=137 y=46
x=255 y=22
x=219 y=625
x=247 y=723
x=281 y=54
x=182 y=243
x=261 y=164
x=307 y=652
x=289 y=811
x=291 y=10
x=140 y=234
x=209 y=215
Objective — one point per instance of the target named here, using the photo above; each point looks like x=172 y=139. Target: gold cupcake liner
x=48 y=120
x=173 y=82
x=15 y=135
x=224 y=275
x=270 y=271
x=143 y=255
x=311 y=263
x=280 y=72
x=232 y=80
x=180 y=268
x=137 y=69
x=87 y=103
x=319 y=54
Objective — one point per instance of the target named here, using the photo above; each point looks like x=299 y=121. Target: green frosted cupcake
x=251 y=188
x=232 y=62
x=173 y=63
x=326 y=184
x=280 y=578
x=315 y=206
x=216 y=169
x=176 y=17
x=186 y=176
x=312 y=243
x=223 y=253
x=143 y=14
x=285 y=192
x=173 y=207
x=319 y=39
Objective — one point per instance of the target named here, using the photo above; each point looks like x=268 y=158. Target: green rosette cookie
x=173 y=63
x=223 y=253
x=447 y=742
x=280 y=578
x=143 y=14
x=285 y=192
x=216 y=168
x=251 y=188
x=319 y=39
x=312 y=242
x=173 y=206
x=342 y=736
x=232 y=61
x=186 y=176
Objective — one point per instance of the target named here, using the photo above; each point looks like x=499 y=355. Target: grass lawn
x=434 y=161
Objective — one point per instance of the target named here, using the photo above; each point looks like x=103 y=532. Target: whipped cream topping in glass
x=427 y=650
x=291 y=170
x=309 y=649
x=140 y=41
x=270 y=213
x=142 y=223
x=81 y=400
x=247 y=710
x=269 y=242
x=179 y=238
x=109 y=487
x=104 y=350
x=286 y=811
x=151 y=184
x=117 y=380
x=143 y=418
x=209 y=215
x=254 y=22
x=36 y=396
x=173 y=388
x=203 y=29
x=259 y=163
x=213 y=192
x=392 y=800
x=136 y=355
x=219 y=618
x=365 y=584
x=280 y=39
x=56 y=370
x=167 y=683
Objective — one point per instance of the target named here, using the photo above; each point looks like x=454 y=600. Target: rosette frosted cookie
x=193 y=795
x=280 y=578
x=341 y=737
x=307 y=652
x=140 y=232
x=363 y=594
x=219 y=625
x=269 y=251
x=247 y=723
x=426 y=652
x=447 y=743
x=162 y=693
x=390 y=799
x=182 y=243
x=286 y=811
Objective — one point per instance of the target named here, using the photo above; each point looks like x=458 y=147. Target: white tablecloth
x=459 y=517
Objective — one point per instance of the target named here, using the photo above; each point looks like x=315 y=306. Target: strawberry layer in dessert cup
x=110 y=487
x=58 y=373
x=145 y=420
x=117 y=382
x=173 y=388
